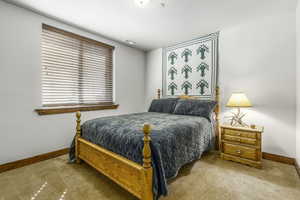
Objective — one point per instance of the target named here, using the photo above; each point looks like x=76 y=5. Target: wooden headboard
x=216 y=111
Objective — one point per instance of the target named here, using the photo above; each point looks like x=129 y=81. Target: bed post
x=147 y=192
x=78 y=134
x=217 y=111
x=158 y=93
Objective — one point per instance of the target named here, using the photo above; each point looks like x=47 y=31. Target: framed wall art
x=191 y=68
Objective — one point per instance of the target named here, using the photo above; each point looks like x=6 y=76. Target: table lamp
x=238 y=100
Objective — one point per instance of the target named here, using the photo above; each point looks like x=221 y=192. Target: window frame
x=59 y=109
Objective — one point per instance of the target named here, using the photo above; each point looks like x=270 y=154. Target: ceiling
x=155 y=26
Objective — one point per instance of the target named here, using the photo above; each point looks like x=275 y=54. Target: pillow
x=195 y=107
x=163 y=105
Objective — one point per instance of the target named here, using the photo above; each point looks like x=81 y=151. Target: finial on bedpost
x=78 y=134
x=147 y=149
x=158 y=93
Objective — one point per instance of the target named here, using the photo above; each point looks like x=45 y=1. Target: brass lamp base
x=236 y=119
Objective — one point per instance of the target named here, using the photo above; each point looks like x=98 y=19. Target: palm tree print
x=172 y=87
x=172 y=57
x=202 y=85
x=186 y=69
x=202 y=67
x=186 y=86
x=172 y=71
x=186 y=53
x=201 y=50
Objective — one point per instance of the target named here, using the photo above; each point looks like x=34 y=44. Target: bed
x=141 y=151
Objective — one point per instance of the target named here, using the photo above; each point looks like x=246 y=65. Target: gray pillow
x=163 y=105
x=195 y=107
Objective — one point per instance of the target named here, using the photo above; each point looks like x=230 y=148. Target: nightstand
x=241 y=145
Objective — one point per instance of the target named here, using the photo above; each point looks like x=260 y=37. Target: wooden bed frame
x=135 y=178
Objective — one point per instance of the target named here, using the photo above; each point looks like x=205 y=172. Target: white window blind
x=75 y=70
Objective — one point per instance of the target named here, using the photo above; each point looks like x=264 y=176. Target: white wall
x=153 y=75
x=298 y=83
x=22 y=132
x=257 y=57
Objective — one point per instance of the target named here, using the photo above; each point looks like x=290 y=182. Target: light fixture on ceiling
x=142 y=3
x=163 y=3
x=130 y=42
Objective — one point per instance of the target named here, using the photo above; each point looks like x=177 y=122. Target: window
x=76 y=71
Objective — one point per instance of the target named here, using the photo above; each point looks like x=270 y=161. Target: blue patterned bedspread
x=176 y=140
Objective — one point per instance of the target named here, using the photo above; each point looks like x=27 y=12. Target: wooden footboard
x=135 y=178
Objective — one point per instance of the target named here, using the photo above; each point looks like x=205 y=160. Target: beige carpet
x=209 y=178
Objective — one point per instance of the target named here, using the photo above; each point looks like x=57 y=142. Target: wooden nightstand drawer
x=241 y=151
x=240 y=140
x=240 y=133
x=241 y=144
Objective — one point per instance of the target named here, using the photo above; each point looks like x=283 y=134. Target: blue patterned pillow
x=195 y=107
x=163 y=105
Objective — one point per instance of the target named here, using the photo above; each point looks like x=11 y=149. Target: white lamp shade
x=238 y=100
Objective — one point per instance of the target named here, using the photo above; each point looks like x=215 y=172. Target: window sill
x=70 y=109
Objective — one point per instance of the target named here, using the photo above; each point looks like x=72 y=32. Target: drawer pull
x=238 y=151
